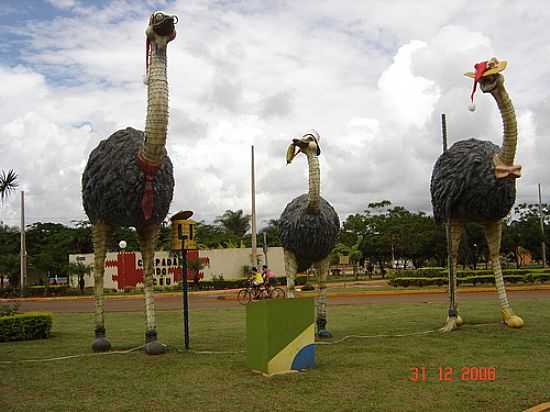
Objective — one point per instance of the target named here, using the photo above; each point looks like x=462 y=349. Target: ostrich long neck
x=510 y=132
x=156 y=122
x=313 y=196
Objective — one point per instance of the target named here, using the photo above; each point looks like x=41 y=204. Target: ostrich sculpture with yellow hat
x=475 y=181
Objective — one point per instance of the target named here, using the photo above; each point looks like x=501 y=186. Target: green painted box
x=280 y=335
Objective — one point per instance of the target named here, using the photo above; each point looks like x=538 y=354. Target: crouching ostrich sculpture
x=308 y=227
x=128 y=181
x=475 y=181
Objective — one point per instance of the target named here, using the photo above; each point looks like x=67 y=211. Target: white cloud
x=371 y=77
x=63 y=4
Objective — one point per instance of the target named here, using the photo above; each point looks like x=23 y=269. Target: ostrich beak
x=291 y=152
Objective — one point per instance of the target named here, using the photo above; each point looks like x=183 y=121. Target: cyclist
x=269 y=277
x=257 y=279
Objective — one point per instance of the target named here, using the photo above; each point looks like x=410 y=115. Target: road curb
x=231 y=294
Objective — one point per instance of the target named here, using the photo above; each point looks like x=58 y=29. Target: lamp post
x=122 y=261
x=183 y=238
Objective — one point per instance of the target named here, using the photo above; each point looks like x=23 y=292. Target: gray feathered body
x=113 y=183
x=310 y=237
x=464 y=186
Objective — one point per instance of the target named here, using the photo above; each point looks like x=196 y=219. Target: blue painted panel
x=305 y=358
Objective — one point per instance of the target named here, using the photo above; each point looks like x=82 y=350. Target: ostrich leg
x=455 y=234
x=322 y=330
x=493 y=233
x=291 y=266
x=101 y=236
x=147 y=237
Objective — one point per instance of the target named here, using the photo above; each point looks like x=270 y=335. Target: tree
x=234 y=223
x=210 y=236
x=8 y=183
x=272 y=233
x=523 y=231
x=9 y=261
x=9 y=268
x=78 y=270
x=382 y=233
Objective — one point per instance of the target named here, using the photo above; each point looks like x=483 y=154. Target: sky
x=371 y=77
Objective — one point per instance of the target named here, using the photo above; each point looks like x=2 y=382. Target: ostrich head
x=161 y=28
x=487 y=74
x=307 y=144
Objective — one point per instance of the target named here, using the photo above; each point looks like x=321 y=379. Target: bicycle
x=251 y=292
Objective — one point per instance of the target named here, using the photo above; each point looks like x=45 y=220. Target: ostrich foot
x=453 y=322
x=511 y=319
x=322 y=331
x=152 y=345
x=100 y=344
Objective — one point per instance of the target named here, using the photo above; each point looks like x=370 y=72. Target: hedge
x=239 y=283
x=473 y=280
x=442 y=272
x=25 y=326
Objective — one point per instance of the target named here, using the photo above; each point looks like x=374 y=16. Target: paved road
x=174 y=302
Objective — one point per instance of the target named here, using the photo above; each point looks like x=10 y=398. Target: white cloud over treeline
x=372 y=77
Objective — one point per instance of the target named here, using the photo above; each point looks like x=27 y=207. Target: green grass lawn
x=355 y=375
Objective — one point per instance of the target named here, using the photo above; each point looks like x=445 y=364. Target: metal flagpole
x=265 y=249
x=253 y=254
x=541 y=217
x=23 y=253
x=452 y=291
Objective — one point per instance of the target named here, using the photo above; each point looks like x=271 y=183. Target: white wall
x=230 y=262
x=226 y=262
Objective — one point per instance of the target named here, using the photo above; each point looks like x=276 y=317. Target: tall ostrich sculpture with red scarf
x=475 y=181
x=128 y=181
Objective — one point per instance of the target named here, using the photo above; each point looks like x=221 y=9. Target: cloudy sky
x=372 y=77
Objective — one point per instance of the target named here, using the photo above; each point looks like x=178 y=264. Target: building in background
x=124 y=270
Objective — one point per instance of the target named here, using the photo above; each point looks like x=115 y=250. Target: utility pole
x=253 y=254
x=23 y=252
x=265 y=250
x=543 y=243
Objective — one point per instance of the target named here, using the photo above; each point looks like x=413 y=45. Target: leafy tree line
x=378 y=236
x=384 y=233
x=49 y=244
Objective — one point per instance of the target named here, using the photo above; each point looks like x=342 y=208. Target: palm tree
x=234 y=222
x=8 y=183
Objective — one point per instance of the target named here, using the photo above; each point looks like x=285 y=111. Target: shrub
x=25 y=326
x=442 y=272
x=484 y=279
x=538 y=277
x=9 y=309
x=49 y=290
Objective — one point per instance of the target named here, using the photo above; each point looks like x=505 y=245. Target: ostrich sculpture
x=475 y=181
x=128 y=181
x=308 y=227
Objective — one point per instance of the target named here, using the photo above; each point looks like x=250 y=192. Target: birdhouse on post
x=183 y=231
x=183 y=239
